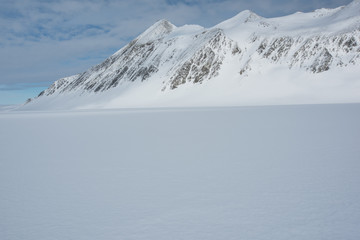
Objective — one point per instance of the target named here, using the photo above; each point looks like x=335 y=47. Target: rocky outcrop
x=206 y=62
x=316 y=54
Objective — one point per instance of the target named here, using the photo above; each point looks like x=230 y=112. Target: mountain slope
x=300 y=58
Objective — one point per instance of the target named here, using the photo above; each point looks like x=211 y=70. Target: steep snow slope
x=302 y=58
x=265 y=173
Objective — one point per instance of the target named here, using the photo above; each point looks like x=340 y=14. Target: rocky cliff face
x=313 y=42
x=315 y=53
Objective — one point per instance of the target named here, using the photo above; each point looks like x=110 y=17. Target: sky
x=44 y=40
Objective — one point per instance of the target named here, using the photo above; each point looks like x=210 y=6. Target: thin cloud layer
x=43 y=40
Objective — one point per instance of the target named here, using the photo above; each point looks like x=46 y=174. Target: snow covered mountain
x=301 y=58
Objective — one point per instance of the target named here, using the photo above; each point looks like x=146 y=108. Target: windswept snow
x=279 y=172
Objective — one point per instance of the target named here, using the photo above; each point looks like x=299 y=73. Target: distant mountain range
x=246 y=60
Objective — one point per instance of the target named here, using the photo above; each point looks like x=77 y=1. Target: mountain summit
x=246 y=60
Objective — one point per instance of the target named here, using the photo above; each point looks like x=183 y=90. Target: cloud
x=43 y=40
x=21 y=86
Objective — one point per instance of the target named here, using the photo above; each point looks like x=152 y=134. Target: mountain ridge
x=247 y=45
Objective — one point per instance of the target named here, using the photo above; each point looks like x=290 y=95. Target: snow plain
x=274 y=172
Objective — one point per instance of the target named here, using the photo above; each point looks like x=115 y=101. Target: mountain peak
x=247 y=16
x=156 y=31
x=241 y=18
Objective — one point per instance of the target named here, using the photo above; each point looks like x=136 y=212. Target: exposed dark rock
x=98 y=88
x=322 y=62
x=350 y=44
x=181 y=75
x=42 y=93
x=205 y=63
x=277 y=48
x=118 y=77
x=262 y=46
x=236 y=50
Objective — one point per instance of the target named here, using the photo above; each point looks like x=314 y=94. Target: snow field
x=277 y=172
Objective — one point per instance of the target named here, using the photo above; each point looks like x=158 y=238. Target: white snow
x=276 y=172
x=283 y=87
x=156 y=31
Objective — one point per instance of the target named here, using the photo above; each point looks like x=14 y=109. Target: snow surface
x=276 y=172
